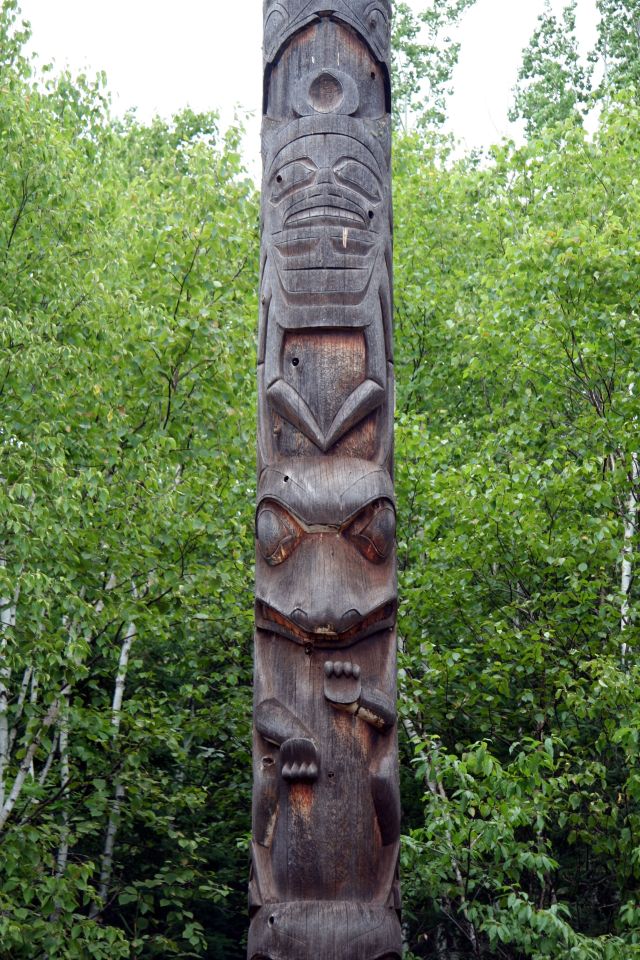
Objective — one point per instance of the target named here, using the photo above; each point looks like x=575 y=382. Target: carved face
x=377 y=17
x=326 y=212
x=325 y=567
x=320 y=180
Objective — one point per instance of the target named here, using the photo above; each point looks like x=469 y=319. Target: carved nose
x=319 y=623
x=325 y=621
x=348 y=620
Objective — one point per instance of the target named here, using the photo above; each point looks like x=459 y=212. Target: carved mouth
x=326 y=214
x=269 y=618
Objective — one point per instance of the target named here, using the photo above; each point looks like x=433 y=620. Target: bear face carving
x=327 y=222
x=325 y=535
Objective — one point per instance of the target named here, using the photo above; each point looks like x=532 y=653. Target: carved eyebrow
x=383 y=494
x=307 y=526
x=306 y=162
x=344 y=160
x=311 y=527
x=383 y=502
x=305 y=136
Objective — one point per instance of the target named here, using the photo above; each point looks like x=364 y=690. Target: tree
x=127 y=301
x=424 y=58
x=618 y=44
x=517 y=332
x=553 y=84
x=127 y=321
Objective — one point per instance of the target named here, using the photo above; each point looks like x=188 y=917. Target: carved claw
x=299 y=758
x=342 y=686
x=340 y=668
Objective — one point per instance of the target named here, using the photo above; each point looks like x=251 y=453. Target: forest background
x=127 y=321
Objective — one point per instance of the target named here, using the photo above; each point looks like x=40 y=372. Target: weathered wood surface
x=326 y=811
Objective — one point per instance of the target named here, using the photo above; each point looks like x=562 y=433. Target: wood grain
x=326 y=809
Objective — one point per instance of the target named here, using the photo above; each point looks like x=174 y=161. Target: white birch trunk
x=33 y=700
x=65 y=767
x=630 y=519
x=22 y=699
x=5 y=678
x=7 y=621
x=65 y=774
x=26 y=766
x=46 y=767
x=106 y=863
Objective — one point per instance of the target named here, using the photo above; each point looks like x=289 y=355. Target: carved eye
x=275 y=20
x=293 y=176
x=358 y=177
x=277 y=535
x=373 y=531
x=377 y=18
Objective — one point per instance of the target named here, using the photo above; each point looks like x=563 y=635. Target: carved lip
x=267 y=618
x=327 y=213
x=323 y=248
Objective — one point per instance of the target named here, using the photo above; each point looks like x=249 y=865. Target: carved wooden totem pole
x=326 y=808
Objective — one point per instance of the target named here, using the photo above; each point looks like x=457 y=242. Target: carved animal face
x=319 y=180
x=327 y=213
x=332 y=930
x=325 y=566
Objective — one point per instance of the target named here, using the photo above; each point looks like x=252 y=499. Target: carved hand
x=343 y=690
x=342 y=686
x=299 y=758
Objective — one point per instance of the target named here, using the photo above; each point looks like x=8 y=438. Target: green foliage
x=127 y=305
x=518 y=336
x=424 y=57
x=618 y=45
x=127 y=319
x=553 y=84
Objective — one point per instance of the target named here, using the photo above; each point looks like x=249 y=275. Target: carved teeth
x=329 y=630
x=270 y=617
x=324 y=213
x=300 y=771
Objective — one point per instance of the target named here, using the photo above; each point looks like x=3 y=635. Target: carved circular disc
x=325 y=93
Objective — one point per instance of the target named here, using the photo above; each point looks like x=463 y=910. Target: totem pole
x=326 y=809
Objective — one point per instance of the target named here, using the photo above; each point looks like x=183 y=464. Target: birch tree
x=521 y=334
x=106 y=862
x=126 y=314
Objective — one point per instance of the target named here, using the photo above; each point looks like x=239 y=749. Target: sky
x=208 y=56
